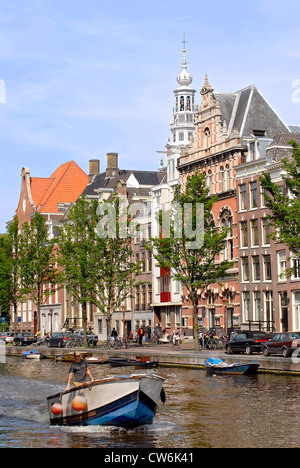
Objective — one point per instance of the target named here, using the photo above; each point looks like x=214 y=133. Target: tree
x=97 y=263
x=10 y=270
x=39 y=272
x=284 y=202
x=77 y=243
x=189 y=248
x=117 y=268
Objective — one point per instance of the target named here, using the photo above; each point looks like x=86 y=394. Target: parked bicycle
x=116 y=343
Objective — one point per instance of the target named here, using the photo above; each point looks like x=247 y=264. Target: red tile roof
x=65 y=185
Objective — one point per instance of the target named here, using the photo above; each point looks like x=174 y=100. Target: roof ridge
x=44 y=200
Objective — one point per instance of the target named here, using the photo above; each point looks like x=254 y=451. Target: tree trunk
x=84 y=322
x=196 y=325
x=15 y=318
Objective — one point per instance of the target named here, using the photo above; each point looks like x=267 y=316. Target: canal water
x=200 y=411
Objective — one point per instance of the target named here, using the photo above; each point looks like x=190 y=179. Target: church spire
x=183 y=126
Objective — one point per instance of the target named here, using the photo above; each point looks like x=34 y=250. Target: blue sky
x=88 y=77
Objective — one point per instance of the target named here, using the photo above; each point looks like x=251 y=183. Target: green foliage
x=95 y=269
x=37 y=262
x=196 y=268
x=284 y=202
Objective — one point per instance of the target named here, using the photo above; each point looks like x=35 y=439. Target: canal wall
x=181 y=358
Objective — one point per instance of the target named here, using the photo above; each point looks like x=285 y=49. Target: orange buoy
x=79 y=403
x=57 y=409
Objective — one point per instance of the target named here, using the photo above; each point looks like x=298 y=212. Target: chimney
x=112 y=165
x=94 y=168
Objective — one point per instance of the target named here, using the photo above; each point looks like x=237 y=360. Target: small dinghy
x=139 y=361
x=125 y=401
x=215 y=366
x=33 y=355
x=95 y=360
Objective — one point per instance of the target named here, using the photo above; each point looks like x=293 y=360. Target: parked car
x=8 y=337
x=247 y=342
x=92 y=339
x=59 y=340
x=24 y=339
x=282 y=343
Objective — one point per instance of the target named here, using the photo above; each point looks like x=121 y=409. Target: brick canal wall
x=177 y=358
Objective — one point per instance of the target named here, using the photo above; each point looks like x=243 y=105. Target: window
x=296 y=268
x=245 y=269
x=254 y=232
x=137 y=298
x=165 y=284
x=244 y=234
x=267 y=268
x=227 y=223
x=149 y=297
x=269 y=309
x=266 y=231
x=253 y=194
x=246 y=306
x=256 y=268
x=296 y=295
x=243 y=197
x=256 y=306
x=177 y=316
x=168 y=317
x=182 y=103
x=227 y=177
x=188 y=103
x=281 y=265
x=222 y=179
x=158 y=289
x=207 y=135
x=181 y=136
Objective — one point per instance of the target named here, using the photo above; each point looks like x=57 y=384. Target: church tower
x=183 y=128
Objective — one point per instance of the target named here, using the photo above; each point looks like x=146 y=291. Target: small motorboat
x=215 y=366
x=33 y=355
x=125 y=401
x=139 y=361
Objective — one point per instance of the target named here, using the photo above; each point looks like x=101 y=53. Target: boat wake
x=155 y=428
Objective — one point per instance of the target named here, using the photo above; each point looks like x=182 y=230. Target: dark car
x=282 y=343
x=24 y=339
x=59 y=340
x=247 y=342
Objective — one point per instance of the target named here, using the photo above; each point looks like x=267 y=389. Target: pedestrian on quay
x=80 y=371
x=141 y=334
x=114 y=334
x=147 y=334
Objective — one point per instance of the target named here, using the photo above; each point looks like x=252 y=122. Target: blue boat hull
x=134 y=409
x=249 y=368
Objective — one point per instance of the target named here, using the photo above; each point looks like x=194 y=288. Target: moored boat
x=33 y=355
x=126 y=401
x=215 y=366
x=140 y=361
x=89 y=358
